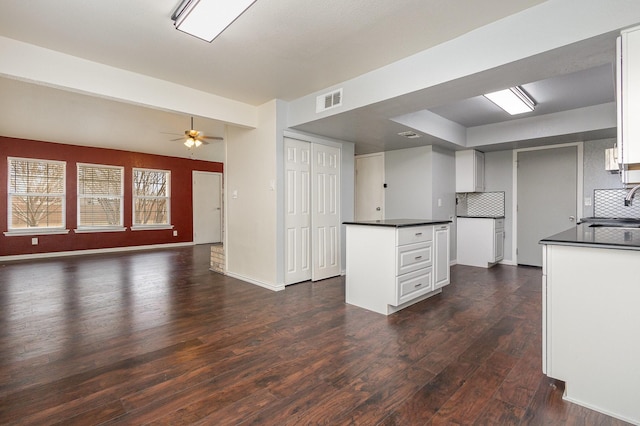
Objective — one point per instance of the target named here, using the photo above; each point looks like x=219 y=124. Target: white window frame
x=134 y=198
x=41 y=230
x=80 y=196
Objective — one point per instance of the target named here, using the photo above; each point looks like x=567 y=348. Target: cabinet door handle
x=418 y=257
x=417 y=285
x=418 y=234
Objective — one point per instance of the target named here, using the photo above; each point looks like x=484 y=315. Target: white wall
x=251 y=217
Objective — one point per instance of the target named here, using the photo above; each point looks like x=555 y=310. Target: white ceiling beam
x=38 y=65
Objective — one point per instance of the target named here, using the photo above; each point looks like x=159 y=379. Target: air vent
x=409 y=134
x=329 y=100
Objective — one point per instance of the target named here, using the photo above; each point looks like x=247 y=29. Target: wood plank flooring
x=154 y=337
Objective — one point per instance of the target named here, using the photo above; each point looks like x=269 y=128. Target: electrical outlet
x=34 y=241
x=175 y=233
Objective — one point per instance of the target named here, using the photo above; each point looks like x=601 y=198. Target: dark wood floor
x=155 y=337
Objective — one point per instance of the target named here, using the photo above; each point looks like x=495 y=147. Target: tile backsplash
x=610 y=203
x=480 y=204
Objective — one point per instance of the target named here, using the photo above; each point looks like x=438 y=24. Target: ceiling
x=281 y=49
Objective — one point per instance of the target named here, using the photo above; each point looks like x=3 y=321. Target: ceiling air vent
x=409 y=134
x=329 y=100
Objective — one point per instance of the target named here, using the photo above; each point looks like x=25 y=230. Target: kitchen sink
x=616 y=225
x=611 y=222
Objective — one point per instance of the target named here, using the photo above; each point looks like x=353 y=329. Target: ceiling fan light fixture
x=206 y=19
x=513 y=100
x=191 y=142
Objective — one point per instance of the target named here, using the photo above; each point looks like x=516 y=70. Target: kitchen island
x=392 y=264
x=591 y=317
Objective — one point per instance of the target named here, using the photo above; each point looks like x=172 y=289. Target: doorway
x=370 y=187
x=548 y=184
x=207 y=207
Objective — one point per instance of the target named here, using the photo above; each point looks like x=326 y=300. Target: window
x=100 y=197
x=36 y=195
x=151 y=198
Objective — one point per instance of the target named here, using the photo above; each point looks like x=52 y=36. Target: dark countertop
x=483 y=217
x=597 y=237
x=398 y=223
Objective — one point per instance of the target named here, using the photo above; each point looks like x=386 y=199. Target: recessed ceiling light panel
x=206 y=19
x=513 y=100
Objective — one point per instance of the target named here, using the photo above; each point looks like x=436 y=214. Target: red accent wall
x=181 y=196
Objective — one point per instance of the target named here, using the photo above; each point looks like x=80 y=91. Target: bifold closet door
x=297 y=211
x=325 y=208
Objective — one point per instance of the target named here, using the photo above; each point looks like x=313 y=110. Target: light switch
x=439 y=202
x=587 y=201
x=234 y=194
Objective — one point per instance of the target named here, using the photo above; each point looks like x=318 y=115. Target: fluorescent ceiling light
x=513 y=100
x=206 y=19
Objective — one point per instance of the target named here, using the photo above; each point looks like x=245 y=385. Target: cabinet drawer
x=413 y=285
x=414 y=234
x=412 y=257
x=499 y=223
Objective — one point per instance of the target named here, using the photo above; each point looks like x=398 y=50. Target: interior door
x=547 y=188
x=325 y=216
x=370 y=187
x=297 y=211
x=207 y=207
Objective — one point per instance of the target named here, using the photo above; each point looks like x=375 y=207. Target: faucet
x=627 y=199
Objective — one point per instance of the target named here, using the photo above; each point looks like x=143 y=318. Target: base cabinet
x=480 y=241
x=391 y=268
x=590 y=320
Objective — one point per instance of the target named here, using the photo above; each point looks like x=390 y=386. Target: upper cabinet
x=469 y=171
x=628 y=97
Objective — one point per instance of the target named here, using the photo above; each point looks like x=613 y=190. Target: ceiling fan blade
x=215 y=138
x=177 y=139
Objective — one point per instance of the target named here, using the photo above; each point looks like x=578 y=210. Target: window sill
x=24 y=232
x=100 y=229
x=150 y=227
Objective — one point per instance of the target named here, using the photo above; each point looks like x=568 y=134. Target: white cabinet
x=469 y=171
x=590 y=320
x=390 y=268
x=480 y=241
x=441 y=276
x=628 y=96
x=628 y=91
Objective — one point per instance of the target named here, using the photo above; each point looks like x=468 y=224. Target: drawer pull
x=418 y=234
x=417 y=285
x=418 y=257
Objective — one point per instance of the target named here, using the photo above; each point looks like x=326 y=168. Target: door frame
x=382 y=206
x=195 y=173
x=579 y=187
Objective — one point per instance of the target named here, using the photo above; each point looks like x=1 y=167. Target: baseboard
x=92 y=251
x=272 y=287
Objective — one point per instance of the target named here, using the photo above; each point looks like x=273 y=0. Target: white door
x=207 y=207
x=370 y=187
x=325 y=207
x=547 y=198
x=297 y=211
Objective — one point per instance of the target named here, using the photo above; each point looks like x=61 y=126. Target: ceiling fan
x=194 y=138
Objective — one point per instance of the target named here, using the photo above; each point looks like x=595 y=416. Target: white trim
x=88 y=230
x=277 y=287
x=91 y=251
x=79 y=196
x=579 y=188
x=134 y=197
x=150 y=227
x=63 y=195
x=35 y=231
